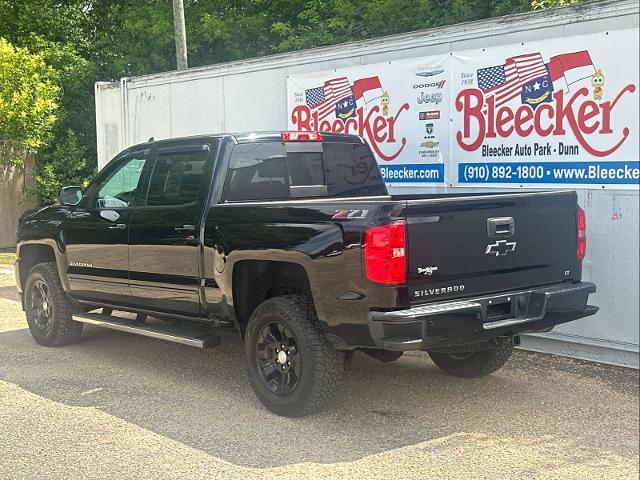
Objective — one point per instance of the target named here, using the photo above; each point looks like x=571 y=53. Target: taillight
x=581 y=232
x=385 y=254
x=301 y=137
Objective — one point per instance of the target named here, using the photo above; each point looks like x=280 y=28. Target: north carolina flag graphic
x=366 y=90
x=569 y=68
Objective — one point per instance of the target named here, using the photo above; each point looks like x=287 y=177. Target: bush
x=67 y=164
x=28 y=103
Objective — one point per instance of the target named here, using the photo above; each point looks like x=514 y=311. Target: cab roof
x=241 y=137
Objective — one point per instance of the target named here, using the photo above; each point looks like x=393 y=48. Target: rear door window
x=177 y=178
x=267 y=171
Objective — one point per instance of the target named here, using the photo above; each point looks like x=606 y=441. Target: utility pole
x=181 y=36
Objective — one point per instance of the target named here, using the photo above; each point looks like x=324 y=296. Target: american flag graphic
x=505 y=82
x=323 y=99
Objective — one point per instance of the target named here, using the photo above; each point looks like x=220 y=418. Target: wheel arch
x=254 y=281
x=31 y=253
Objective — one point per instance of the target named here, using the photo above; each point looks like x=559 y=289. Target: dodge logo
x=500 y=248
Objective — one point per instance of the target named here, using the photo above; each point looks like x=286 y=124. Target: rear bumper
x=477 y=320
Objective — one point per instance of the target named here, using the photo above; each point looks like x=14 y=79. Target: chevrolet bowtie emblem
x=500 y=248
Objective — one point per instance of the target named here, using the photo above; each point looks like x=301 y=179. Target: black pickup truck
x=290 y=241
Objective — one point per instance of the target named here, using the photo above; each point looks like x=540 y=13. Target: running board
x=164 y=331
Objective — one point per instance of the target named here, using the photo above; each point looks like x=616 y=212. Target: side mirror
x=70 y=195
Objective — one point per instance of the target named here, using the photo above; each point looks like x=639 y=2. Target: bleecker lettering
x=377 y=128
x=481 y=119
x=470 y=102
x=545 y=110
x=523 y=116
x=505 y=116
x=587 y=111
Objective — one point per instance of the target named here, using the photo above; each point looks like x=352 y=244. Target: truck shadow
x=202 y=398
x=9 y=293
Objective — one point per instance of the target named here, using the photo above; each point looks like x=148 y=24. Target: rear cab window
x=273 y=170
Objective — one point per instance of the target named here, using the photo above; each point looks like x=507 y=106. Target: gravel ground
x=120 y=406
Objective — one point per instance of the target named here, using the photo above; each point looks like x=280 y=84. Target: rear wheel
x=474 y=364
x=47 y=308
x=292 y=367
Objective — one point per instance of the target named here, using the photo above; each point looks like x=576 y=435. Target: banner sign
x=549 y=113
x=401 y=108
x=553 y=113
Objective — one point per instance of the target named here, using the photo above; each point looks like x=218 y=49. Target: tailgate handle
x=501 y=227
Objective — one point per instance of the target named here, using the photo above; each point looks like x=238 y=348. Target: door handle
x=117 y=226
x=185 y=228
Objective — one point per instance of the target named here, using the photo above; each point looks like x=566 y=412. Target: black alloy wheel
x=41 y=306
x=278 y=360
x=49 y=313
x=292 y=367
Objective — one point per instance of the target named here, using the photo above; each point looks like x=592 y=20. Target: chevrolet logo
x=500 y=248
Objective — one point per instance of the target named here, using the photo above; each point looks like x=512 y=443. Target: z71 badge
x=350 y=214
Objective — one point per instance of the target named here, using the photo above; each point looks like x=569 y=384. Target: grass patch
x=9 y=257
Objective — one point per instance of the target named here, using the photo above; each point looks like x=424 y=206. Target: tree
x=60 y=33
x=540 y=4
x=90 y=40
x=28 y=103
x=67 y=164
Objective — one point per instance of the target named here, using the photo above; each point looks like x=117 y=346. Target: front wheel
x=47 y=308
x=292 y=367
x=474 y=364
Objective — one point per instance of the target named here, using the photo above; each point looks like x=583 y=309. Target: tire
x=474 y=364
x=312 y=362
x=49 y=321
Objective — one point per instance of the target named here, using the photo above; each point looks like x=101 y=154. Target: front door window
x=121 y=188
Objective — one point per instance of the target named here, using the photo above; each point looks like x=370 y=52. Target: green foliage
x=224 y=30
x=540 y=4
x=68 y=164
x=28 y=102
x=89 y=40
x=7 y=258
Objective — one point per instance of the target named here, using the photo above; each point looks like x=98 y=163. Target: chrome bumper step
x=161 y=330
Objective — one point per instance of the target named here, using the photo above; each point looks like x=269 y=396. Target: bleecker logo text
x=483 y=119
x=377 y=128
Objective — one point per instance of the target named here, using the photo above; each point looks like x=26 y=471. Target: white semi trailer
x=263 y=93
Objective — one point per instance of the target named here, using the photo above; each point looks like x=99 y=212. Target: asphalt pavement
x=120 y=406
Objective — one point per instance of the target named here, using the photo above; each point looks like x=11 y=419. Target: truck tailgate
x=472 y=245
